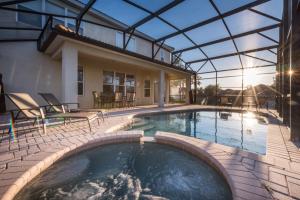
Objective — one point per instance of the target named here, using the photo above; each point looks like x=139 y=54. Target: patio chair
x=107 y=100
x=32 y=111
x=54 y=105
x=119 y=100
x=97 y=99
x=130 y=99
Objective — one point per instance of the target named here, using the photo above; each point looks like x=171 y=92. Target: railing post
x=40 y=39
x=216 y=88
x=124 y=39
x=152 y=50
x=195 y=88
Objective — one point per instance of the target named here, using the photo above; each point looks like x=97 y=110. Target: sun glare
x=250 y=77
x=249 y=119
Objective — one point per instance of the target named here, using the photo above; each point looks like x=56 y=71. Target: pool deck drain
x=252 y=176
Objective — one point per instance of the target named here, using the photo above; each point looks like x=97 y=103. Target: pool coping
x=34 y=164
x=212 y=156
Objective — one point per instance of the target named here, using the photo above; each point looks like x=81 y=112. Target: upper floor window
x=28 y=18
x=80 y=81
x=162 y=55
x=71 y=23
x=131 y=46
x=53 y=8
x=119 y=39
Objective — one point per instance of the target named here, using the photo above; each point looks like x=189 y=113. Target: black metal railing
x=44 y=35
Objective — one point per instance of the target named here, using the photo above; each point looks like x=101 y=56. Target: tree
x=210 y=90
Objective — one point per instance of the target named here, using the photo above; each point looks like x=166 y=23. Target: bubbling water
x=128 y=171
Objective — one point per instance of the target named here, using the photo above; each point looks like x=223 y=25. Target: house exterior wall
x=93 y=79
x=101 y=33
x=25 y=69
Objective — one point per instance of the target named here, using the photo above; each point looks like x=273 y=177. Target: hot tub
x=129 y=171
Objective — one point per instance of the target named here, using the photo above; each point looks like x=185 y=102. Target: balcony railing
x=105 y=36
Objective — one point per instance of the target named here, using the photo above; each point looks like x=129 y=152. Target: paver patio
x=276 y=175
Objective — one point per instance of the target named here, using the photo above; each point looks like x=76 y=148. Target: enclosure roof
x=206 y=36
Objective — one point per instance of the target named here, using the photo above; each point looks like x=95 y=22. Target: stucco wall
x=103 y=34
x=93 y=79
x=25 y=69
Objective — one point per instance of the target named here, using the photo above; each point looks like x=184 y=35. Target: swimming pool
x=245 y=130
x=129 y=171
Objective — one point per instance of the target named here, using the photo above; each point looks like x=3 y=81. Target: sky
x=191 y=12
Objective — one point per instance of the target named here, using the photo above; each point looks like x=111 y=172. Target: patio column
x=188 y=89
x=69 y=72
x=162 y=89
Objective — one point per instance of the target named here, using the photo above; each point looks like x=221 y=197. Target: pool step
x=138 y=124
x=146 y=127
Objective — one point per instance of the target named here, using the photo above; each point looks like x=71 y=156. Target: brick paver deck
x=252 y=176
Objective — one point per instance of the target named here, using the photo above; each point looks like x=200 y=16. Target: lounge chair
x=54 y=105
x=32 y=111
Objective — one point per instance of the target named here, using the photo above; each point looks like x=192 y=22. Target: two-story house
x=52 y=56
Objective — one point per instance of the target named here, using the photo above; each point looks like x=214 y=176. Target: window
x=130 y=83
x=117 y=82
x=108 y=82
x=53 y=8
x=162 y=55
x=120 y=83
x=27 y=18
x=131 y=46
x=147 y=88
x=80 y=81
x=71 y=23
x=119 y=39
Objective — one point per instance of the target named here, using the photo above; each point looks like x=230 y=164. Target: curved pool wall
x=244 y=130
x=129 y=171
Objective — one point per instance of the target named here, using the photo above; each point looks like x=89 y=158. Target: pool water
x=243 y=130
x=129 y=171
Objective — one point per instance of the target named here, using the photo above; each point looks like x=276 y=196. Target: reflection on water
x=243 y=130
x=129 y=171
